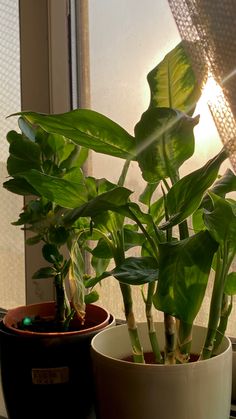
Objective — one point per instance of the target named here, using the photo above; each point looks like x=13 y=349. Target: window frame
x=52 y=67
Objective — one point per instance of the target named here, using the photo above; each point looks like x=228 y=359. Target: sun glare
x=212 y=92
x=207 y=140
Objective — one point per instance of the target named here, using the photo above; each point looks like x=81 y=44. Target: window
x=127 y=40
x=114 y=45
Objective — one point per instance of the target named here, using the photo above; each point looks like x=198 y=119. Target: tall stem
x=169 y=323
x=216 y=304
x=60 y=298
x=151 y=326
x=184 y=342
x=227 y=305
x=137 y=350
x=131 y=324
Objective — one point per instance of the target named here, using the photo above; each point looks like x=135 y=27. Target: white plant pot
x=233 y=341
x=126 y=390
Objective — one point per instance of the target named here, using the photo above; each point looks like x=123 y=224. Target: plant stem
x=60 y=298
x=151 y=327
x=184 y=341
x=216 y=304
x=183 y=230
x=169 y=323
x=137 y=349
x=119 y=256
x=148 y=237
x=225 y=312
x=124 y=172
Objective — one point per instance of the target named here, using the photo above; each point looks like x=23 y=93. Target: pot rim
x=10 y=319
x=129 y=364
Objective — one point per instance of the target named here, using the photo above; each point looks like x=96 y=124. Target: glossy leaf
x=146 y=195
x=172 y=82
x=100 y=264
x=91 y=297
x=23 y=155
x=51 y=254
x=61 y=191
x=89 y=129
x=185 y=196
x=110 y=200
x=224 y=185
x=19 y=186
x=136 y=271
x=221 y=222
x=184 y=268
x=164 y=139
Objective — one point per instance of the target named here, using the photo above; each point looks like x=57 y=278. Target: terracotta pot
x=96 y=318
x=197 y=390
x=48 y=375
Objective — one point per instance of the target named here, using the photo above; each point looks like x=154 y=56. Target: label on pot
x=47 y=376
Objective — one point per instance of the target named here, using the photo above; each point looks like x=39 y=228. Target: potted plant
x=175 y=257
x=52 y=362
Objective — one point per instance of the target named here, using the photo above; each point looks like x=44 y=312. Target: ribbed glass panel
x=11 y=239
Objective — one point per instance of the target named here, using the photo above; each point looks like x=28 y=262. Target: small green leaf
x=102 y=250
x=24 y=150
x=51 y=253
x=92 y=297
x=45 y=273
x=100 y=264
x=34 y=240
x=230 y=284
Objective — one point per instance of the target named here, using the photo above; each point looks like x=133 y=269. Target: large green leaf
x=136 y=271
x=185 y=196
x=184 y=267
x=111 y=200
x=19 y=186
x=61 y=191
x=89 y=129
x=146 y=195
x=164 y=139
x=221 y=222
x=224 y=185
x=173 y=83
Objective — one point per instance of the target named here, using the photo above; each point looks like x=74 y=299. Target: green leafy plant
x=184 y=227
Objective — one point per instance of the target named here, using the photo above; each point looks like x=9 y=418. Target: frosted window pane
x=127 y=40
x=11 y=241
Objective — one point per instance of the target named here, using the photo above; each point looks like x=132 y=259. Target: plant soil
x=49 y=325
x=149 y=358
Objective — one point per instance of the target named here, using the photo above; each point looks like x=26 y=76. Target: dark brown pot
x=48 y=375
